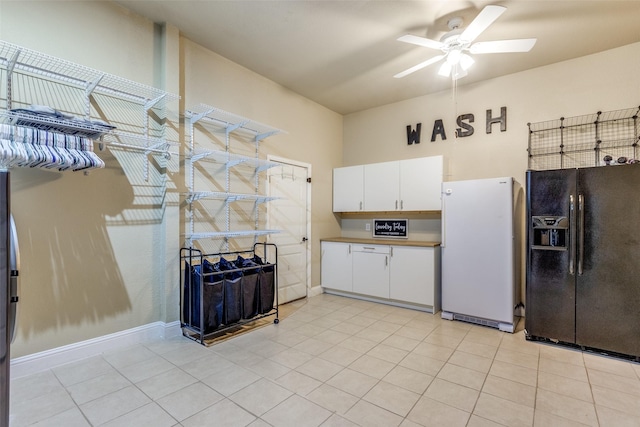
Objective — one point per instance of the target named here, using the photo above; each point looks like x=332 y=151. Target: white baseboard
x=396 y=303
x=315 y=290
x=48 y=359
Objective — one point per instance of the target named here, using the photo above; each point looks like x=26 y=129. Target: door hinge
x=309 y=180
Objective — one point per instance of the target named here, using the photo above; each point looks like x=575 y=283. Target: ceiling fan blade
x=503 y=46
x=421 y=41
x=488 y=15
x=419 y=66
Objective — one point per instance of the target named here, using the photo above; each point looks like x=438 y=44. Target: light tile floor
x=338 y=362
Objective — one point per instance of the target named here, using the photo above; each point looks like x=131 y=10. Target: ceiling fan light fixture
x=454 y=56
x=445 y=69
x=466 y=61
x=458 y=72
x=456 y=65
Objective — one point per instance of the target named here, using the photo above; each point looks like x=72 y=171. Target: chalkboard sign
x=391 y=228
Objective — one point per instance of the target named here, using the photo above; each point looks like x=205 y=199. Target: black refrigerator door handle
x=580 y=233
x=572 y=233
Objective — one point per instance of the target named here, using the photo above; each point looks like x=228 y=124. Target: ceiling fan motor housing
x=454 y=23
x=451 y=41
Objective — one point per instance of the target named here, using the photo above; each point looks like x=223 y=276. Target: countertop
x=394 y=242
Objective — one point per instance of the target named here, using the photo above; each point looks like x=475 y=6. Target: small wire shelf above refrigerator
x=599 y=139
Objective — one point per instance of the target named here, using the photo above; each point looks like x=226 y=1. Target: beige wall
x=313 y=133
x=91 y=246
x=100 y=252
x=603 y=82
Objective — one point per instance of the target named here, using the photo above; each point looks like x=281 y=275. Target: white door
x=290 y=213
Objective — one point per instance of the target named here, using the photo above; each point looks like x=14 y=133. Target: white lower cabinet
x=401 y=275
x=336 y=266
x=371 y=270
x=414 y=275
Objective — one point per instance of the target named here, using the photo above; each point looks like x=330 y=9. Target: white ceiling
x=343 y=54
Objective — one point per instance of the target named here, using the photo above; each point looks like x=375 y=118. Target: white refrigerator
x=479 y=266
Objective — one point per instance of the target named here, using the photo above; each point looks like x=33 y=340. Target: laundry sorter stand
x=213 y=301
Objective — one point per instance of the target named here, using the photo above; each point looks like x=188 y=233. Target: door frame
x=285 y=161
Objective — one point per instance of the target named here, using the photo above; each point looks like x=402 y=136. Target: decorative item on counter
x=628 y=161
x=622 y=160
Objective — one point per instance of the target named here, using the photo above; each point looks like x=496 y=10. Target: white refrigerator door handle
x=443 y=216
x=14 y=267
x=14 y=254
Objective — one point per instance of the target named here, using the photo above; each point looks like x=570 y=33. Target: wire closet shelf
x=226 y=149
x=602 y=138
x=82 y=102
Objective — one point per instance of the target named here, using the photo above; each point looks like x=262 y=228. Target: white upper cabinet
x=420 y=184
x=382 y=187
x=348 y=189
x=397 y=186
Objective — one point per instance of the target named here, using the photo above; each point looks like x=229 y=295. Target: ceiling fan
x=457 y=42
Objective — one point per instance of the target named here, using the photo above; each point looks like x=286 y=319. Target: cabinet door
x=421 y=184
x=382 y=187
x=335 y=266
x=413 y=275
x=371 y=274
x=348 y=187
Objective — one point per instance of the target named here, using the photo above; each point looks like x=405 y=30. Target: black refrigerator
x=9 y=266
x=583 y=263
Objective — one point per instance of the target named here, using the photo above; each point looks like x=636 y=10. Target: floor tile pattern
x=337 y=362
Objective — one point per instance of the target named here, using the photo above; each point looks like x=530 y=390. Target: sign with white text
x=391 y=228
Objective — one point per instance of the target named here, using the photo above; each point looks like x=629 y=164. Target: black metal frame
x=196 y=257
